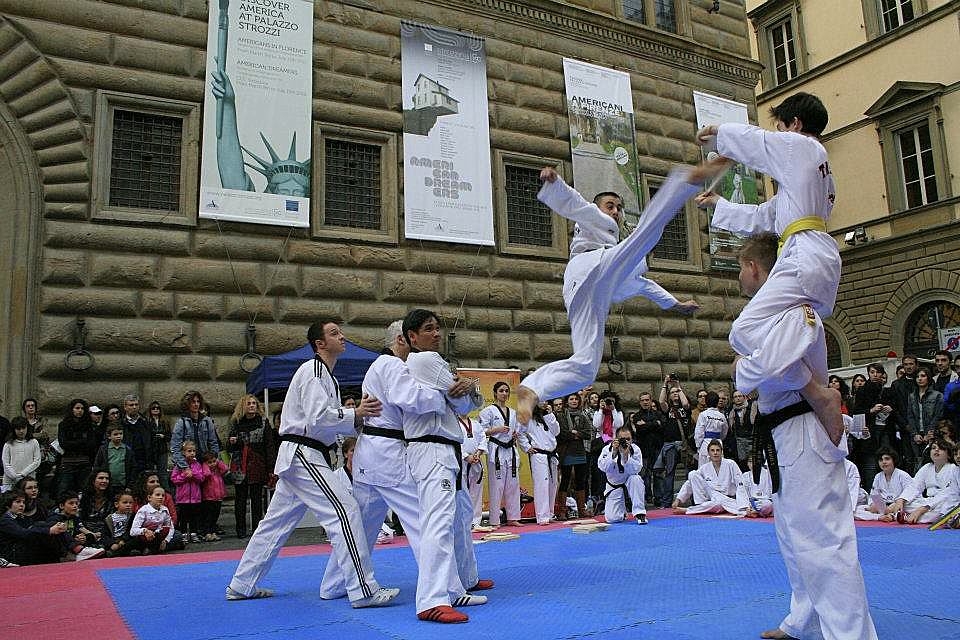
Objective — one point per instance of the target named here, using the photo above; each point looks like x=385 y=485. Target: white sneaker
x=468 y=600
x=89 y=553
x=384 y=537
x=4 y=563
x=381 y=598
x=257 y=593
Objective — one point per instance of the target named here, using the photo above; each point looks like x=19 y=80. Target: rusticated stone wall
x=165 y=309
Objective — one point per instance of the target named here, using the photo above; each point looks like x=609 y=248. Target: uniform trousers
x=374 y=502
x=814 y=526
x=706 y=499
x=504 y=486
x=615 y=504
x=545 y=471
x=467 y=571
x=435 y=468
x=308 y=483
x=473 y=478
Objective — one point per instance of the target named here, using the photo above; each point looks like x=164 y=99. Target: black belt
x=456 y=447
x=763 y=444
x=614 y=487
x=395 y=434
x=496 y=455
x=549 y=454
x=311 y=443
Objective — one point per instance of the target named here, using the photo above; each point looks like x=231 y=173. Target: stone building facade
x=166 y=298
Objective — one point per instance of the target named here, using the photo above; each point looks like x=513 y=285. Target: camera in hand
x=675 y=376
x=624 y=443
x=608 y=402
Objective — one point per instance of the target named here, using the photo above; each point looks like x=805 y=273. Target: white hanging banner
x=602 y=133
x=255 y=156
x=447 y=191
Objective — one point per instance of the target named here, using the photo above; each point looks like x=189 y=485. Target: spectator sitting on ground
x=755 y=500
x=712 y=487
x=711 y=425
x=96 y=503
x=621 y=462
x=932 y=492
x=117 y=539
x=887 y=486
x=21 y=454
x=153 y=525
x=118 y=457
x=34 y=510
x=149 y=481
x=23 y=542
x=73 y=543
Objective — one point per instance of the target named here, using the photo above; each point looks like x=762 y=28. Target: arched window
x=920 y=336
x=834 y=354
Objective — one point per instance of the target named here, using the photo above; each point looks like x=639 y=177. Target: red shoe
x=442 y=613
x=482 y=585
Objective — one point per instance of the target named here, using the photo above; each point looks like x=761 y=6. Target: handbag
x=238 y=468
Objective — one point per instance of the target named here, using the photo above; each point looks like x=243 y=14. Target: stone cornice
x=636 y=40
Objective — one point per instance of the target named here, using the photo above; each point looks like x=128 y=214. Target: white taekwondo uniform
x=601 y=273
x=887 y=490
x=936 y=490
x=311 y=412
x=474 y=441
x=711 y=425
x=503 y=463
x=758 y=497
x=622 y=476
x=712 y=490
x=540 y=441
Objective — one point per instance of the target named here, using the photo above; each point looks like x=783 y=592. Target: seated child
x=887 y=486
x=23 y=542
x=713 y=487
x=755 y=500
x=73 y=542
x=152 y=524
x=118 y=541
x=932 y=492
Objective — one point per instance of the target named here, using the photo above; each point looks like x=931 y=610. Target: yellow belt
x=809 y=223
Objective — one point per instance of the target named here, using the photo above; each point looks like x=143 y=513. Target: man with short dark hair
x=902 y=388
x=942 y=374
x=311 y=420
x=137 y=434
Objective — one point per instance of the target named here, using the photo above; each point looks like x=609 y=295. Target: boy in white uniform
x=474 y=446
x=711 y=425
x=712 y=487
x=499 y=424
x=933 y=491
x=621 y=461
x=311 y=420
x=813 y=522
x=602 y=272
x=808 y=267
x=755 y=499
x=434 y=457
x=887 y=487
x=539 y=439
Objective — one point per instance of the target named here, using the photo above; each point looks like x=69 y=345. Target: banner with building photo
x=737 y=185
x=602 y=134
x=255 y=155
x=447 y=191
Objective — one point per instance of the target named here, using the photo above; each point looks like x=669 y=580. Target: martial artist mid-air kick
x=603 y=272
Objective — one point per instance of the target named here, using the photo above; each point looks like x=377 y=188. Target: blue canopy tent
x=275 y=372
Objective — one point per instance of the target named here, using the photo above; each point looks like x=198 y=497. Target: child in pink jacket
x=213 y=491
x=189 y=493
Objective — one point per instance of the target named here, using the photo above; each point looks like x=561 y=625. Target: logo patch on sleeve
x=808 y=315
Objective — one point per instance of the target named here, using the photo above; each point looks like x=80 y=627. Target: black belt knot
x=496 y=456
x=763 y=444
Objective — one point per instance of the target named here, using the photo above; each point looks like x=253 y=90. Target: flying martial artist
x=310 y=422
x=602 y=272
x=814 y=524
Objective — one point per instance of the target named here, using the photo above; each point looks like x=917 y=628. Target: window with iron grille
x=662 y=14
x=666 y=15
x=921 y=331
x=634 y=10
x=145 y=160
x=917 y=165
x=674 y=243
x=352 y=184
x=529 y=222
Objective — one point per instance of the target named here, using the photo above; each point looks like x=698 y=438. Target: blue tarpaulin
x=275 y=372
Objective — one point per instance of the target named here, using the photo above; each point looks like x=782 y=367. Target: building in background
x=889 y=73
x=101 y=110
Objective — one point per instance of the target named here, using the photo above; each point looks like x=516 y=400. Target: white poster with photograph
x=447 y=191
x=255 y=155
x=737 y=185
x=602 y=134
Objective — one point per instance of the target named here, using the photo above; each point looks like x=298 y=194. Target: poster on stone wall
x=255 y=154
x=602 y=134
x=737 y=185
x=447 y=191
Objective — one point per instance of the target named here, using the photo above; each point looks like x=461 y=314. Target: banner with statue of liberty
x=602 y=136
x=447 y=191
x=255 y=155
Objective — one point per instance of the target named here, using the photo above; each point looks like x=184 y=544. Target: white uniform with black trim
x=712 y=489
x=814 y=521
x=622 y=474
x=311 y=409
x=381 y=477
x=601 y=273
x=544 y=468
x=474 y=441
x=435 y=467
x=504 y=482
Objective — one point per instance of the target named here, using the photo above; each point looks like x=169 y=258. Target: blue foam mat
x=682 y=578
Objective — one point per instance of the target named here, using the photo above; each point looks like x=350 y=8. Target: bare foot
x=680 y=510
x=526 y=401
x=825 y=403
x=777 y=634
